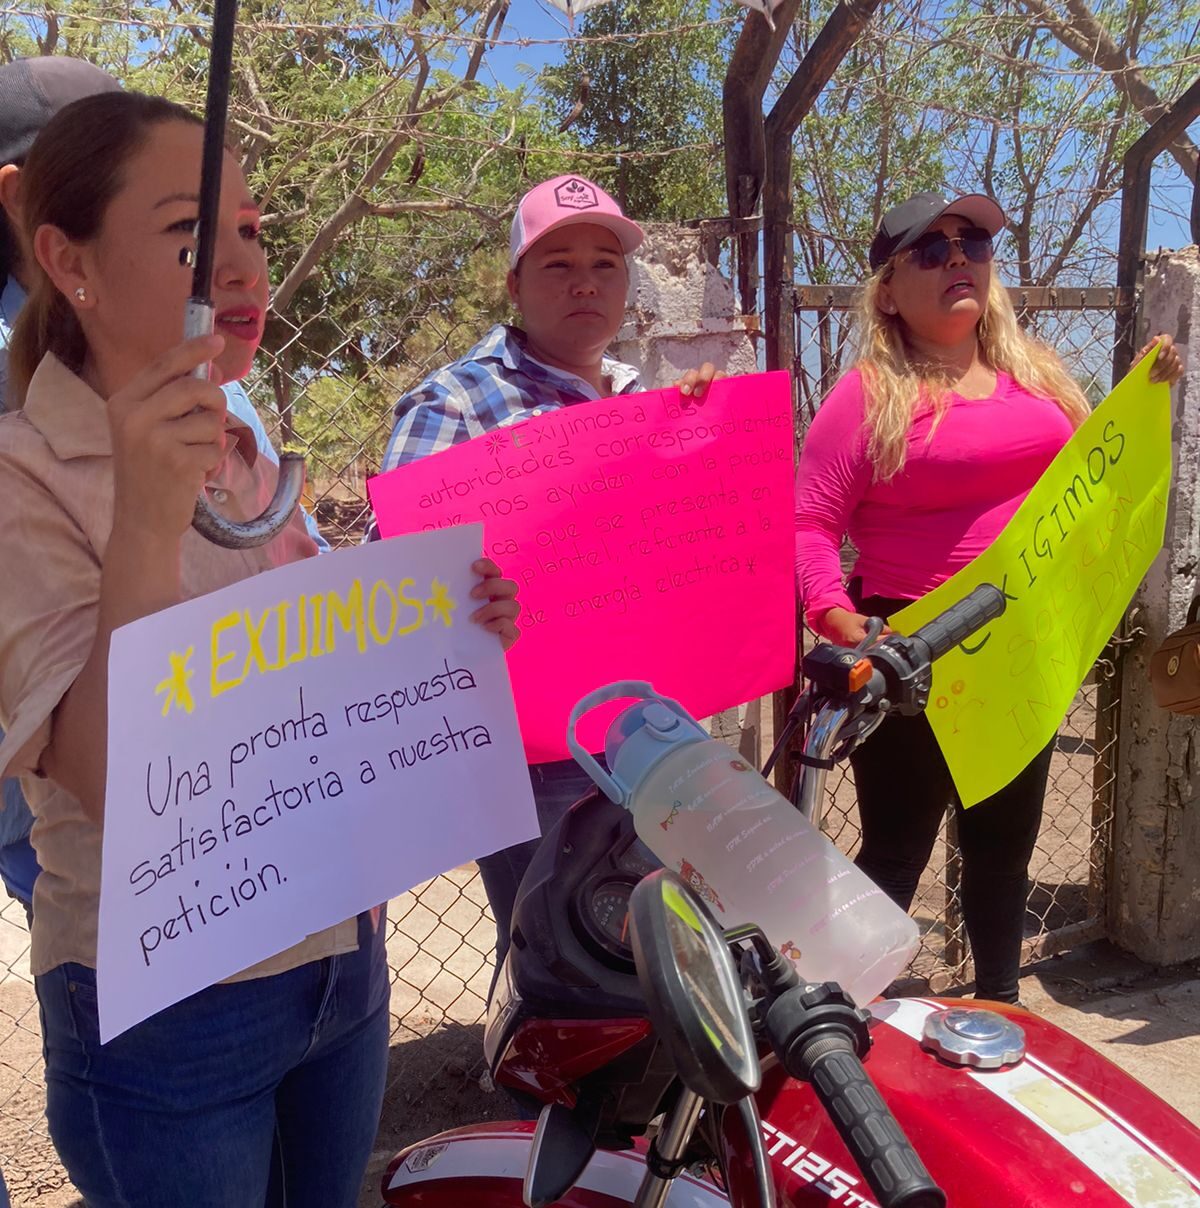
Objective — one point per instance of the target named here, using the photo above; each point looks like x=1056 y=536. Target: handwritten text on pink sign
x=651 y=537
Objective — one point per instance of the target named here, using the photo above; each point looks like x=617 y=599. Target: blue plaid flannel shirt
x=495 y=384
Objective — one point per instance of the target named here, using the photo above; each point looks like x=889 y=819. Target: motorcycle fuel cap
x=984 y=1040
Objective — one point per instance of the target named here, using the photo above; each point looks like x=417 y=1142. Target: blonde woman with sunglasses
x=921 y=454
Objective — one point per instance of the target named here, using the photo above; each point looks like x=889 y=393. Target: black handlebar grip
x=961 y=620
x=884 y=1155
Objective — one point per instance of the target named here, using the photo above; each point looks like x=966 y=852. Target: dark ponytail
x=71 y=174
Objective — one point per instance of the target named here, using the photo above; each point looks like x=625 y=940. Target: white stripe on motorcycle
x=1058 y=1076
x=504 y=1155
x=1131 y=1164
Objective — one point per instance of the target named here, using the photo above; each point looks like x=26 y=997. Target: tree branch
x=356 y=206
x=444 y=205
x=1107 y=168
x=1083 y=34
x=260 y=139
x=47 y=44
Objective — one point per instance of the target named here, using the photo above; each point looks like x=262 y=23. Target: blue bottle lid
x=641 y=737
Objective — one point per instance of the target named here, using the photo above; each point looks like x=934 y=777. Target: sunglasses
x=935 y=249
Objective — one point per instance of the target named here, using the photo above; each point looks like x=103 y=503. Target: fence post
x=682 y=310
x=1154 y=904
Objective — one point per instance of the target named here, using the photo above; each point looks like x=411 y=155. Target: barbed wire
x=913 y=29
x=935 y=37
x=381 y=126
x=911 y=22
x=908 y=35
x=409 y=25
x=875 y=90
x=426 y=135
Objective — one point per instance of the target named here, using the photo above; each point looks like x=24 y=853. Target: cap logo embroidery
x=576 y=194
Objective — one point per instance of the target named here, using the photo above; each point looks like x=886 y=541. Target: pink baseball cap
x=568 y=201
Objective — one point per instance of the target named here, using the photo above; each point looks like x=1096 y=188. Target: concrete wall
x=1154 y=902
x=681 y=310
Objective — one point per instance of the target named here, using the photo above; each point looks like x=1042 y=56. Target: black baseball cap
x=32 y=91
x=904 y=224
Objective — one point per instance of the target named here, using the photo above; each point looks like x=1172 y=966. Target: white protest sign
x=292 y=750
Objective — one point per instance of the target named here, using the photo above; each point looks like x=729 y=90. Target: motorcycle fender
x=484 y=1165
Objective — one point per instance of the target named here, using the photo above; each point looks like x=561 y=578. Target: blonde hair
x=895 y=386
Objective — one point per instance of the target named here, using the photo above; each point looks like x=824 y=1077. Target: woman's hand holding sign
x=1169 y=366
x=499 y=615
x=695 y=383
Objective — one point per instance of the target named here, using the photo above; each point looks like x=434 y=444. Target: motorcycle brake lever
x=874 y=628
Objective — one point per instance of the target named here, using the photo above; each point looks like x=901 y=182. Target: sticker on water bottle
x=691 y=877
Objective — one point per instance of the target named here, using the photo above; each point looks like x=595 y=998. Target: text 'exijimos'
x=243 y=643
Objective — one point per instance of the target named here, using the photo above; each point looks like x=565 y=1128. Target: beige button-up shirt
x=56 y=490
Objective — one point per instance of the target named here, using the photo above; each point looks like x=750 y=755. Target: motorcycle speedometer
x=604 y=914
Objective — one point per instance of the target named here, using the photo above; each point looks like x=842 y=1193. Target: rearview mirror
x=692 y=990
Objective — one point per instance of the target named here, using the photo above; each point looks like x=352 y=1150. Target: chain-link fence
x=440 y=943
x=388 y=175
x=1068 y=870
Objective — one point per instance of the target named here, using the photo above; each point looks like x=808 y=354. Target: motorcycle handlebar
x=961 y=620
x=879 y=1147
x=819 y=1037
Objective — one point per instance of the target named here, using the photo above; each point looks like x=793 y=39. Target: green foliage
x=364 y=139
x=648 y=95
x=344 y=425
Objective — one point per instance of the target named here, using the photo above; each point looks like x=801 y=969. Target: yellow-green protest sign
x=1068 y=563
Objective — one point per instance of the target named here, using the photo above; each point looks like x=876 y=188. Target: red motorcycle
x=678 y=1065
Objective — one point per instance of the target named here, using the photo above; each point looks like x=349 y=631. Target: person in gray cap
x=32 y=91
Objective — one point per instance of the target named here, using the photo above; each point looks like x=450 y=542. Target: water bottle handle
x=622 y=690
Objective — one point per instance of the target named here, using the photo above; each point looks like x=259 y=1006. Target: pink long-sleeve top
x=946 y=506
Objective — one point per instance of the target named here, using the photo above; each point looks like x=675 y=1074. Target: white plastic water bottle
x=744 y=848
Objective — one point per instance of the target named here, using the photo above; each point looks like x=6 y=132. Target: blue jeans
x=556 y=787
x=18 y=870
x=18 y=862
x=260 y=1093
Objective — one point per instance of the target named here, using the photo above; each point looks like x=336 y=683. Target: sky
x=528 y=19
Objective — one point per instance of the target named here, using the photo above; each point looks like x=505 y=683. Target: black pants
x=904 y=787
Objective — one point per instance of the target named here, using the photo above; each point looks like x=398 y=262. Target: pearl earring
x=81 y=294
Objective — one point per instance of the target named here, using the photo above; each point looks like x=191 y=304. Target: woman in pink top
x=921 y=454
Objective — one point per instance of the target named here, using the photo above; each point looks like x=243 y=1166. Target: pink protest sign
x=652 y=538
